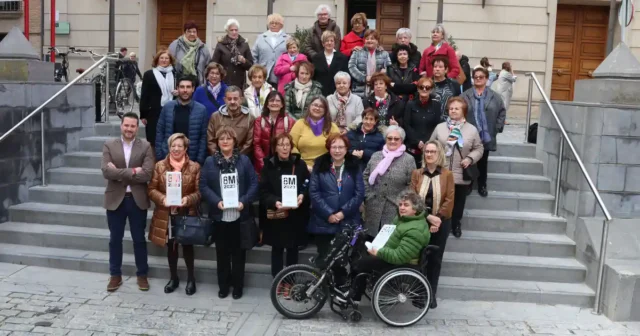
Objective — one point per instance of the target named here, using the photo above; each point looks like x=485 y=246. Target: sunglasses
x=425 y=87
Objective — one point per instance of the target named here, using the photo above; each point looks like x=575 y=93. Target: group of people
x=357 y=125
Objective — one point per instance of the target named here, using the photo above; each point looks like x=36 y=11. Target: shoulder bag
x=470 y=173
x=193 y=230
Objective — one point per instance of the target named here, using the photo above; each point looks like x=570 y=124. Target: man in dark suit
x=127 y=164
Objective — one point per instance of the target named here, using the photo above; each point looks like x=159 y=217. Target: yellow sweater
x=307 y=144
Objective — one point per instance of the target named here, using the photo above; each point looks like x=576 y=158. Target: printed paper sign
x=174 y=188
x=382 y=237
x=229 y=187
x=289 y=191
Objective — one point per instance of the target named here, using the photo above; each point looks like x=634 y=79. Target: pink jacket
x=283 y=71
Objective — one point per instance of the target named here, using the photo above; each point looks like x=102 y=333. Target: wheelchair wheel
x=288 y=292
x=401 y=297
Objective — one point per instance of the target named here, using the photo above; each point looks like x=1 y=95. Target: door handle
x=559 y=72
x=590 y=73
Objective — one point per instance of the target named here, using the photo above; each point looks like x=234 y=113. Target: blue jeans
x=117 y=220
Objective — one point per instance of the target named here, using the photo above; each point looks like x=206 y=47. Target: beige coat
x=472 y=148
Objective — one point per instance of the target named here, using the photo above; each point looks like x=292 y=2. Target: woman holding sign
x=436 y=187
x=185 y=174
x=283 y=202
x=229 y=185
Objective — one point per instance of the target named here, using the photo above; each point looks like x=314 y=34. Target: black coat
x=404 y=81
x=236 y=73
x=291 y=231
x=323 y=73
x=466 y=68
x=414 y=56
x=150 y=97
x=443 y=91
x=395 y=110
x=420 y=121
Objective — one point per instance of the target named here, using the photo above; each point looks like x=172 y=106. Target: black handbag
x=249 y=233
x=470 y=173
x=193 y=230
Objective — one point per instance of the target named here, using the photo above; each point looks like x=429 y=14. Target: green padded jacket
x=409 y=238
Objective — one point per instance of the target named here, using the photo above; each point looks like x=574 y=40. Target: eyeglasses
x=430 y=151
x=357 y=24
x=479 y=77
x=394 y=139
x=425 y=87
x=276 y=101
x=338 y=148
x=285 y=145
x=318 y=105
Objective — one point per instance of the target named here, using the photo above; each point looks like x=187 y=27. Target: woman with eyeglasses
x=355 y=39
x=310 y=133
x=389 y=106
x=387 y=175
x=434 y=183
x=421 y=116
x=336 y=190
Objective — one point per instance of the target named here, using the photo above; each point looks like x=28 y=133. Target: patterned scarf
x=424 y=190
x=382 y=105
x=341 y=116
x=302 y=90
x=188 y=61
x=316 y=126
x=233 y=44
x=455 y=135
x=227 y=166
x=215 y=90
x=481 y=117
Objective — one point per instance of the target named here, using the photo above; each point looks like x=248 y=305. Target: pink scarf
x=383 y=165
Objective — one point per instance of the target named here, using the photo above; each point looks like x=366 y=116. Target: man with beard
x=127 y=165
x=445 y=87
x=232 y=114
x=186 y=116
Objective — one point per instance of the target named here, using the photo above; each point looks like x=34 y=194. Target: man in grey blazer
x=127 y=164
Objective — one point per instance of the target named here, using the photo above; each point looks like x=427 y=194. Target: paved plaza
x=37 y=301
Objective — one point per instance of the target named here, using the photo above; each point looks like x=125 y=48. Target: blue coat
x=202 y=96
x=326 y=200
x=369 y=143
x=198 y=122
x=210 y=186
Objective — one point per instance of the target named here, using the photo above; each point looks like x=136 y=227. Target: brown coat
x=314 y=39
x=158 y=190
x=121 y=176
x=236 y=73
x=472 y=148
x=447 y=190
x=242 y=124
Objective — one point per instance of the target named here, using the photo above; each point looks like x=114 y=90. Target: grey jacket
x=358 y=68
x=472 y=148
x=381 y=198
x=494 y=111
x=178 y=49
x=265 y=54
x=353 y=110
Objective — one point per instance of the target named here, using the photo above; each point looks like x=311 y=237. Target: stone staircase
x=512 y=248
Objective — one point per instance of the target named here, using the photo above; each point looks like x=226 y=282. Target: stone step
x=518 y=183
x=522 y=150
x=515 y=165
x=548 y=293
x=76 y=176
x=455 y=263
x=112 y=129
x=519 y=244
x=512 y=221
x=94 y=143
x=67 y=194
x=62 y=214
x=83 y=159
x=511 y=201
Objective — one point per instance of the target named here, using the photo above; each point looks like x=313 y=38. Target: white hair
x=342 y=75
x=231 y=22
x=323 y=7
x=403 y=31
x=395 y=128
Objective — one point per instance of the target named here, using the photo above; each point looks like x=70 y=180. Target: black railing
x=8 y=6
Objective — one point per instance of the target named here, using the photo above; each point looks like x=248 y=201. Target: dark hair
x=123 y=49
x=270 y=96
x=227 y=130
x=336 y=136
x=131 y=115
x=215 y=66
x=372 y=32
x=480 y=69
x=326 y=127
x=380 y=76
x=442 y=59
x=191 y=78
x=485 y=62
x=401 y=47
x=506 y=66
x=277 y=138
x=465 y=106
x=372 y=112
x=156 y=58
x=307 y=65
x=190 y=25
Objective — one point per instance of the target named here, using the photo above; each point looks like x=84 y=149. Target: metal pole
x=42 y=30
x=529 y=102
x=26 y=19
x=597 y=307
x=112 y=25
x=53 y=30
x=270 y=7
x=556 y=204
x=44 y=175
x=106 y=91
x=612 y=25
x=440 y=12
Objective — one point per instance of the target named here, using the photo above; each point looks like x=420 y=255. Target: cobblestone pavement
x=37 y=301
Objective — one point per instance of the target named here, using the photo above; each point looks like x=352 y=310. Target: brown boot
x=114 y=283
x=143 y=283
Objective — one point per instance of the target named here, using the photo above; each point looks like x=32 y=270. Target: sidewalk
x=37 y=301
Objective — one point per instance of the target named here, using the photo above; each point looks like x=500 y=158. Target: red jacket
x=445 y=50
x=262 y=136
x=349 y=42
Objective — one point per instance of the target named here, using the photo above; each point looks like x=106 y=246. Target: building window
x=10 y=6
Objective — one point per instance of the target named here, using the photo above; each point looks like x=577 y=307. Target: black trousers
x=458 y=203
x=173 y=254
x=277 y=258
x=435 y=260
x=482 y=167
x=368 y=264
x=418 y=158
x=323 y=242
x=231 y=258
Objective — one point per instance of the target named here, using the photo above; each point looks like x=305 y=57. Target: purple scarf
x=316 y=127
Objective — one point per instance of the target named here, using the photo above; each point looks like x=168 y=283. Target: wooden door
x=580 y=46
x=391 y=16
x=172 y=15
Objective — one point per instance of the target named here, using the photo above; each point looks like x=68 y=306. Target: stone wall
x=67 y=119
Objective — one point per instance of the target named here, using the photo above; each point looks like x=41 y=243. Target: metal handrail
x=39 y=109
x=565 y=137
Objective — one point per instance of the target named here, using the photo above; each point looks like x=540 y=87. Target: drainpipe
x=26 y=18
x=270 y=7
x=612 y=26
x=440 y=11
x=112 y=25
x=53 y=30
x=42 y=30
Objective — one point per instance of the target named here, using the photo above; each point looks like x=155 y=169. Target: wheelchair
x=399 y=297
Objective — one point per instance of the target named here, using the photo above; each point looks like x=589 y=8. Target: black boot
x=434 y=303
x=457 y=230
x=237 y=293
x=190 y=289
x=172 y=285
x=483 y=191
x=223 y=293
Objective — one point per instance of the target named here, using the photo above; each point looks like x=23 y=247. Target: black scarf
x=227 y=166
